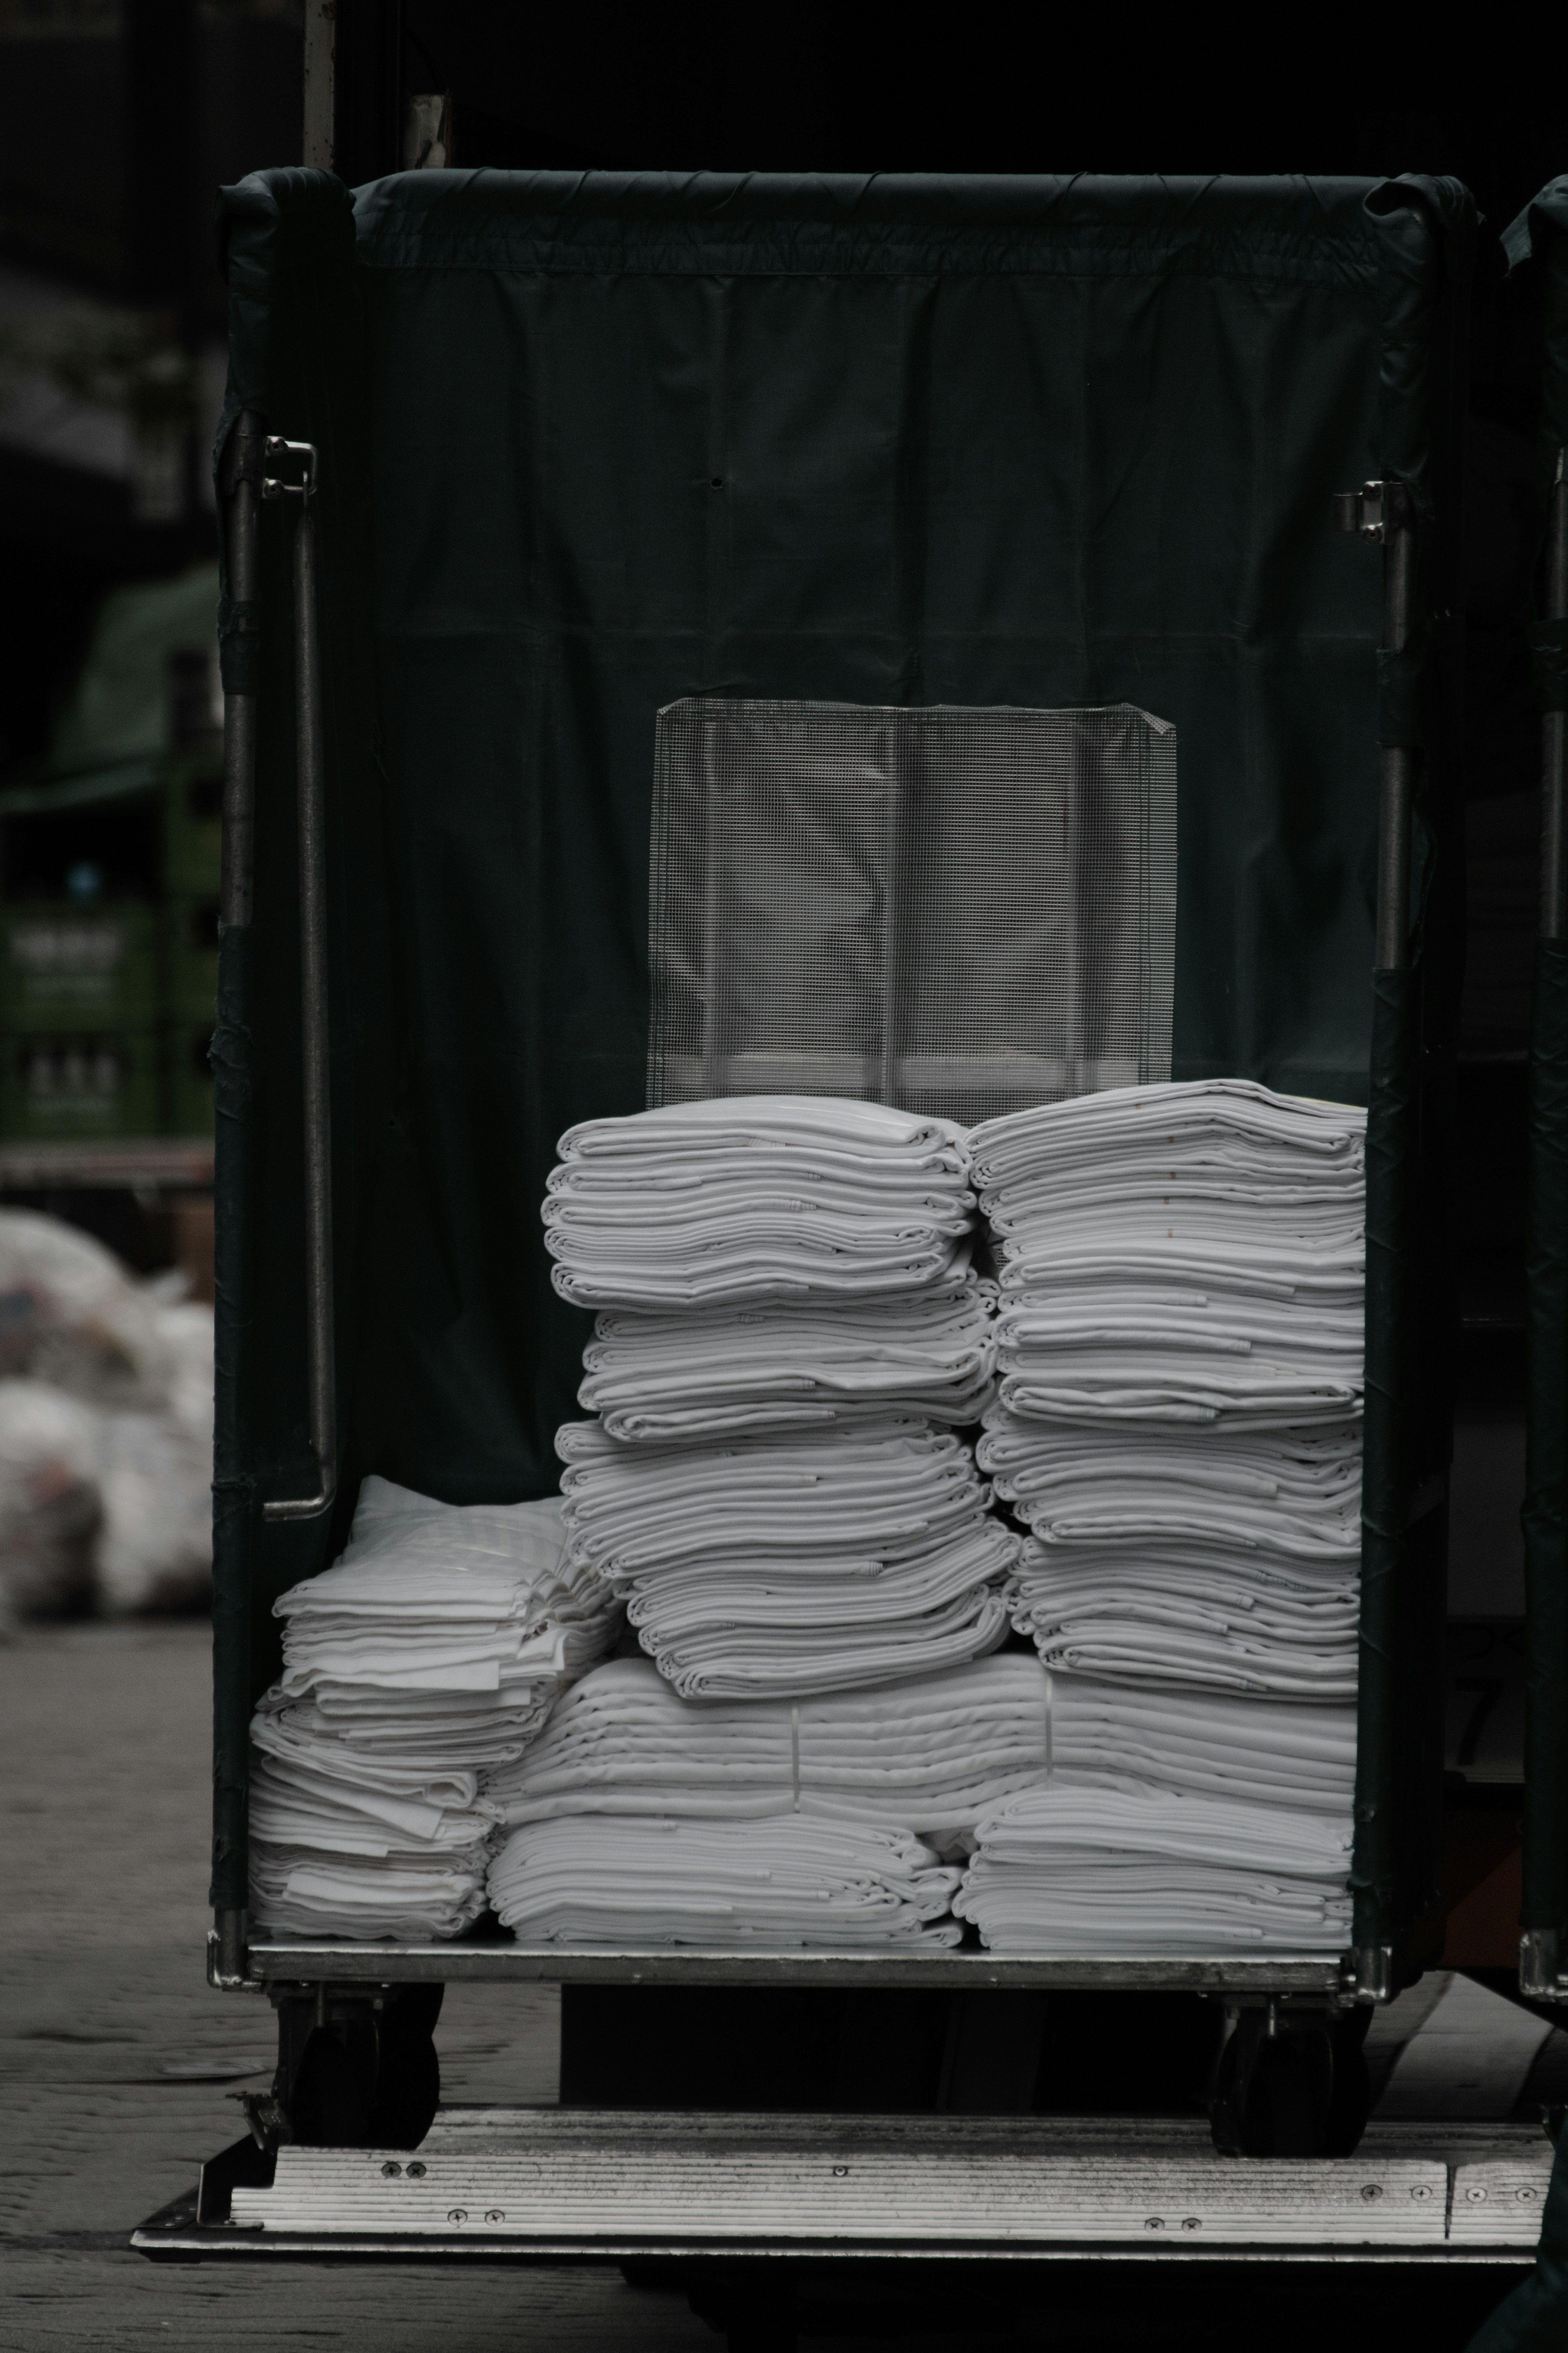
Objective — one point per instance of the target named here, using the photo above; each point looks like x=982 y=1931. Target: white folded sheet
x=932 y=1753
x=679 y=1375
x=1192 y=1617
x=777 y=1884
x=1075 y=1868
x=1275 y=1751
x=433 y=1648
x=785 y=1564
x=757 y=1197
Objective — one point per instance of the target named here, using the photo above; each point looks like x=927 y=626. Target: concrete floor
x=117 y=2063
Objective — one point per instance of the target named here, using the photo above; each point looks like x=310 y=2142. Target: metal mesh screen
x=955 y=911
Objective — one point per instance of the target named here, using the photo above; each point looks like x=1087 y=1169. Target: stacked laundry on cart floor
x=788 y=1320
x=789 y=1335
x=1179 y=1356
x=1065 y=1869
x=430 y=1653
x=817 y=1822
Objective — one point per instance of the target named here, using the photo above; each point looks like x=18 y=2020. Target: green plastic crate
x=53 y=1088
x=68 y=967
x=193 y=830
x=189 y=1078
x=190 y=961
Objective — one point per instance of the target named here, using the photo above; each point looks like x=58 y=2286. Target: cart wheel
x=1273 y=2093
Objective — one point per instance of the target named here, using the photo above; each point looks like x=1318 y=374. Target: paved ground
x=116 y=2062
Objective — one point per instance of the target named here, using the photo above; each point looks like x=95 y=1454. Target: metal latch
x=1365 y=510
x=279 y=452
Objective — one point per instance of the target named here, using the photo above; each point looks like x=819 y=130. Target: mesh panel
x=963 y=911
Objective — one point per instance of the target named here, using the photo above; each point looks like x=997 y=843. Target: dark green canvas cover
x=1536 y=246
x=593 y=442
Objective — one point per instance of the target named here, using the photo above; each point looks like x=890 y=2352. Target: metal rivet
x=1371 y=2190
x=1154 y=2222
x=458 y=2214
x=1421 y=2190
x=839 y=2171
x=1191 y=2222
x=1476 y=2196
x=416 y=2173
x=392 y=2171
x=1527 y=2194
x=495 y=2215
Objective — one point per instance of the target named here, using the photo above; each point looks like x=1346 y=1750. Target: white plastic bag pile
x=596 y=1881
x=933 y=1755
x=1067 y=1868
x=787 y=1312
x=106 y=1419
x=431 y=1650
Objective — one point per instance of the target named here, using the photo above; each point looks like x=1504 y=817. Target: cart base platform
x=527 y=2183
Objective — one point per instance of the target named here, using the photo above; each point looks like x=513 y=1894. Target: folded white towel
x=931 y=1753
x=434 y=1647
x=1072 y=1867
x=774 y=1885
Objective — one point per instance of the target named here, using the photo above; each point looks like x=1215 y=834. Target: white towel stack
x=1070 y=1868
x=433 y=1649
x=786 y=1313
x=664 y=1378
x=931 y=1755
x=1205 y=1744
x=1179 y=1354
x=777 y=1566
x=757 y=1197
x=599 y=1882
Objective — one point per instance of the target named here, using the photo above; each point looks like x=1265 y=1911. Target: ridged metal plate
x=579 y=2179
x=1500 y=2202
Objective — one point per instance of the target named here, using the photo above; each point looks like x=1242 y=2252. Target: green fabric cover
x=593 y=442
x=1546 y=1514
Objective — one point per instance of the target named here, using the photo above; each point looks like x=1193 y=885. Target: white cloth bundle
x=932 y=1754
x=786 y=1565
x=757 y=1197
x=1184 y=1253
x=674 y=1375
x=1077 y=1868
x=1201 y=1617
x=434 y=1647
x=1277 y=1752
x=602 y=1881
x=1211 y=1560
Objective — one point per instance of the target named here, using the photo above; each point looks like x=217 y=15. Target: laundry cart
x=1537 y=253
x=511 y=465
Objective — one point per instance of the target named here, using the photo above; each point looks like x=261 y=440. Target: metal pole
x=1554 y=725
x=315 y=1075
x=320 y=83
x=232 y=1485
x=1393 y=950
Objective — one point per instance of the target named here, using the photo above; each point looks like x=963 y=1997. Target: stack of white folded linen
x=663 y=1377
x=931 y=1755
x=431 y=1650
x=757 y=1197
x=781 y=1565
x=1180 y=1352
x=594 y=1882
x=1300 y=1755
x=1072 y=1867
